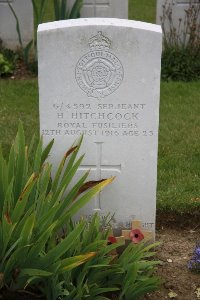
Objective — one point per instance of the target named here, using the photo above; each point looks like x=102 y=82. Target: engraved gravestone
x=103 y=8
x=178 y=16
x=104 y=83
x=8 y=32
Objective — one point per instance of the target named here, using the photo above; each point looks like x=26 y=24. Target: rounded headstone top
x=99 y=21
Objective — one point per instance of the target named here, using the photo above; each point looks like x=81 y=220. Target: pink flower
x=136 y=236
x=112 y=240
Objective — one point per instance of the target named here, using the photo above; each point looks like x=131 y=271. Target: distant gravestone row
x=8 y=33
x=104 y=82
x=103 y=8
x=178 y=17
x=24 y=12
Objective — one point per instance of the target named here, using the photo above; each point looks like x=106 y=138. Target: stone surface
x=103 y=8
x=101 y=77
x=178 y=12
x=24 y=12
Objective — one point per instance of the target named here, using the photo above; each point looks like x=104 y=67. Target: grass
x=179 y=147
x=18 y=100
x=179 y=142
x=142 y=10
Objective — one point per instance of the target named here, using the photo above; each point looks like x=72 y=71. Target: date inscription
x=106 y=120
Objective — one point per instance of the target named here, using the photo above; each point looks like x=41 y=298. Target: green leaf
x=63 y=9
x=23 y=198
x=31 y=146
x=17 y=24
x=56 y=10
x=17 y=257
x=11 y=163
x=7 y=230
x=8 y=253
x=3 y=179
x=96 y=291
x=41 y=11
x=74 y=155
x=101 y=298
x=35 y=11
x=46 y=151
x=82 y=201
x=73 y=262
x=38 y=158
x=20 y=160
x=130 y=277
x=26 y=51
x=68 y=177
x=35 y=272
x=39 y=244
x=60 y=168
x=27 y=230
x=54 y=254
x=8 y=202
x=75 y=12
x=71 y=195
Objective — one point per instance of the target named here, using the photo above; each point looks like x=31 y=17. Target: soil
x=20 y=72
x=21 y=295
x=175 y=251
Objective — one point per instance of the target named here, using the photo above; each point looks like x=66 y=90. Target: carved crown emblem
x=99 y=42
x=99 y=72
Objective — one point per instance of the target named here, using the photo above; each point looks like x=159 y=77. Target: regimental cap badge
x=99 y=42
x=99 y=72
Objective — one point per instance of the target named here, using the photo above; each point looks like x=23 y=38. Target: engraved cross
x=99 y=167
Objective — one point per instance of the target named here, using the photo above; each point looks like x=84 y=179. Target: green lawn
x=18 y=100
x=179 y=146
x=142 y=10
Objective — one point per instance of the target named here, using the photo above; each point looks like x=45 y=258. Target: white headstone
x=24 y=12
x=103 y=8
x=101 y=77
x=179 y=8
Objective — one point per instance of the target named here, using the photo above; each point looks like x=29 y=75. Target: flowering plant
x=194 y=263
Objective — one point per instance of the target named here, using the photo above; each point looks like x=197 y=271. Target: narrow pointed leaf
x=62 y=247
x=35 y=272
x=75 y=12
x=46 y=151
x=23 y=198
x=73 y=262
x=71 y=195
x=87 y=197
x=60 y=168
x=27 y=230
x=20 y=161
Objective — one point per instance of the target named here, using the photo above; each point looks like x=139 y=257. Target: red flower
x=112 y=240
x=136 y=236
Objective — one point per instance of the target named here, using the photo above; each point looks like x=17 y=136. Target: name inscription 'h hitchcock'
x=99 y=72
